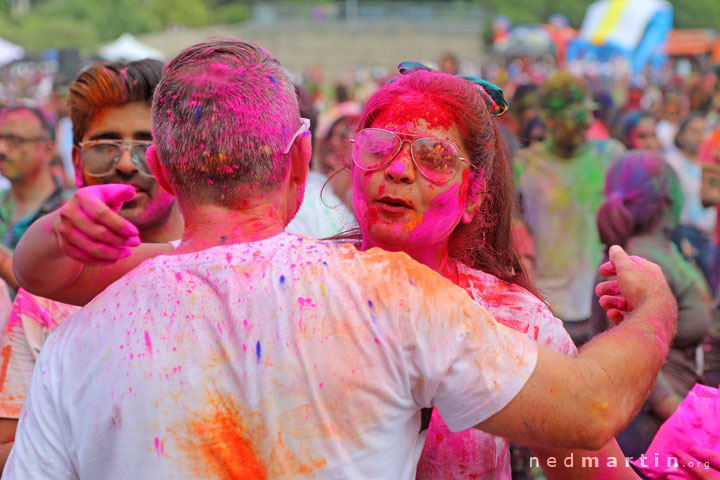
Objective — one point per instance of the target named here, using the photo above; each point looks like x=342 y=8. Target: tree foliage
x=88 y=23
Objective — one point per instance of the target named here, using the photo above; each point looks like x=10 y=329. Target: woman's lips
x=394 y=206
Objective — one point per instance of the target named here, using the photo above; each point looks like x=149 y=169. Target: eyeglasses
x=100 y=157
x=437 y=160
x=17 y=140
x=304 y=126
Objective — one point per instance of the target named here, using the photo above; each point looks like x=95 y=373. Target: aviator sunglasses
x=435 y=159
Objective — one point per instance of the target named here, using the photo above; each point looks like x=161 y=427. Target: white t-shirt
x=32 y=319
x=284 y=358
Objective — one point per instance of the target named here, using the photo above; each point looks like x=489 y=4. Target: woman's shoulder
x=486 y=288
x=516 y=308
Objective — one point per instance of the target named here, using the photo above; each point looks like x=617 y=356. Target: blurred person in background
x=600 y=128
x=638 y=131
x=675 y=107
x=327 y=201
x=643 y=200
x=561 y=183
x=696 y=229
x=26 y=151
x=63 y=130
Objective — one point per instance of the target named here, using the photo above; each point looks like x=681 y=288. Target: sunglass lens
x=373 y=148
x=437 y=159
x=99 y=159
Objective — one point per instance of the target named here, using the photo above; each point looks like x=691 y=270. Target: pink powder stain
x=160 y=446
x=148 y=343
x=178 y=276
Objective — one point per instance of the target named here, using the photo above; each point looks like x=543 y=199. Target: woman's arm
x=74 y=253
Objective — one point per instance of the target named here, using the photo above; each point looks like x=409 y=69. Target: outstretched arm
x=584 y=402
x=85 y=244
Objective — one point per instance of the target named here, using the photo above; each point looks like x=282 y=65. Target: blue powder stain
x=370 y=303
x=411 y=282
x=223 y=239
x=374 y=320
x=282 y=279
x=197 y=113
x=258 y=351
x=325 y=263
x=272 y=79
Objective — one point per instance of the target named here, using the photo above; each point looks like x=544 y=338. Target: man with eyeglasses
x=110 y=112
x=26 y=149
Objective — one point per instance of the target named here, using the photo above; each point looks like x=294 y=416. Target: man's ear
x=300 y=155
x=472 y=206
x=77 y=165
x=158 y=170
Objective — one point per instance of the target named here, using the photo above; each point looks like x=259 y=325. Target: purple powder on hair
x=197 y=113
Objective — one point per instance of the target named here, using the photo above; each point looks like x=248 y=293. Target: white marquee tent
x=128 y=48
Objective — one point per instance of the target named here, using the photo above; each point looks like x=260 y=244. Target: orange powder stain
x=6 y=352
x=221 y=441
x=227 y=441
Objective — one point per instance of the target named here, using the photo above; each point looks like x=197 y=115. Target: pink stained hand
x=637 y=279
x=89 y=228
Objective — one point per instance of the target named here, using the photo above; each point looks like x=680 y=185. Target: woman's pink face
x=396 y=206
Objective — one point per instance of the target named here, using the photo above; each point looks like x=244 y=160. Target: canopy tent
x=128 y=48
x=9 y=52
x=634 y=29
x=526 y=40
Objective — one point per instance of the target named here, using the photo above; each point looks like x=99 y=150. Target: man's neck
x=171 y=229
x=208 y=226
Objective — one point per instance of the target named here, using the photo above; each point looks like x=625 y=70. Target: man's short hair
x=47 y=126
x=223 y=114
x=560 y=91
x=110 y=85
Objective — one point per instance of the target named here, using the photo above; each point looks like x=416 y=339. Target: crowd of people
x=421 y=283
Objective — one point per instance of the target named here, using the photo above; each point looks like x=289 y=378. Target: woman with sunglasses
x=432 y=178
